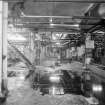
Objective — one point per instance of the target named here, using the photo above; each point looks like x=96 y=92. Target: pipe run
x=61 y=17
x=23 y=15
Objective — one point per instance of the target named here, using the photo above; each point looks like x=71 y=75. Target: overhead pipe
x=40 y=22
x=52 y=25
x=47 y=29
x=22 y=23
x=23 y=15
x=60 y=17
x=69 y=23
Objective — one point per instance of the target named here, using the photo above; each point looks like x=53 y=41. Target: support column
x=1 y=31
x=3 y=46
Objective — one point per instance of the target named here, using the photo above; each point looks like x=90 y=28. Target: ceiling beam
x=73 y=1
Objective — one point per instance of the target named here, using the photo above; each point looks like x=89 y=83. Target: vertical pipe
x=85 y=52
x=1 y=31
x=103 y=59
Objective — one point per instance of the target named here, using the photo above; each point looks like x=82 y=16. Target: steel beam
x=62 y=1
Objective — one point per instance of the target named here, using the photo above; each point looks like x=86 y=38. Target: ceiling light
x=58 y=43
x=76 y=25
x=51 y=24
x=97 y=88
x=54 y=78
x=65 y=25
x=51 y=20
x=54 y=37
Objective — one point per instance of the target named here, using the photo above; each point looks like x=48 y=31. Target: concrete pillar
x=5 y=32
x=1 y=31
x=3 y=45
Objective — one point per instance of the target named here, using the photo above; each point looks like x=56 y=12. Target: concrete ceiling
x=55 y=8
x=35 y=8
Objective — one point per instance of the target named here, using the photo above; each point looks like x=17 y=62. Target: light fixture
x=58 y=43
x=54 y=78
x=51 y=24
x=53 y=90
x=97 y=88
x=65 y=25
x=22 y=77
x=51 y=20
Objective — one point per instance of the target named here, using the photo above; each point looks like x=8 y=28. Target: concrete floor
x=24 y=95
x=21 y=94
